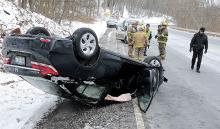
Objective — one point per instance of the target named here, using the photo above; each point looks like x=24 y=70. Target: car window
x=121 y=27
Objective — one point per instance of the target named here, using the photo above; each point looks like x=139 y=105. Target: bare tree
x=186 y=13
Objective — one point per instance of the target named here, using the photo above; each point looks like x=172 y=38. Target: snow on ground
x=99 y=27
x=156 y=20
x=21 y=102
x=27 y=19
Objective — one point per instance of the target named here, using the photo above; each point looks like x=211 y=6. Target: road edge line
x=138 y=115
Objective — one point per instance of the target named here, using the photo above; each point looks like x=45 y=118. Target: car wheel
x=85 y=43
x=155 y=61
x=38 y=31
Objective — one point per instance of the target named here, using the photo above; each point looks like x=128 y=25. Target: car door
x=148 y=82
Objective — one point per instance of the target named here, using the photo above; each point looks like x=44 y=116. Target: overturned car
x=77 y=68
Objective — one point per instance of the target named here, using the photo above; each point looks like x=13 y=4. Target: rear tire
x=85 y=43
x=38 y=31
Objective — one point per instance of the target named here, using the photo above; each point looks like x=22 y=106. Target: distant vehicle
x=127 y=23
x=77 y=68
x=112 y=22
x=121 y=33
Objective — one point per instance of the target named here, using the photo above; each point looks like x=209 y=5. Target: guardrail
x=194 y=31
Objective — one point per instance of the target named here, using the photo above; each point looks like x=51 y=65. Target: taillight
x=44 y=40
x=6 y=61
x=45 y=69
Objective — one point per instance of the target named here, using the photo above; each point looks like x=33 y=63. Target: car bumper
x=20 y=70
x=46 y=85
x=34 y=77
x=111 y=24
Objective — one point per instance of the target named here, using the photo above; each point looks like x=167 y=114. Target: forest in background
x=186 y=13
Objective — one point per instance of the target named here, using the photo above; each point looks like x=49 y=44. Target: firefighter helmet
x=164 y=23
x=135 y=23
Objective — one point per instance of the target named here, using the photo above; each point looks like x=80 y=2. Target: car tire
x=38 y=31
x=155 y=61
x=85 y=43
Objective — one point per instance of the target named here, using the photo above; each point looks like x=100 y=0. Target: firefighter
x=162 y=38
x=2 y=32
x=198 y=43
x=131 y=30
x=149 y=36
x=140 y=41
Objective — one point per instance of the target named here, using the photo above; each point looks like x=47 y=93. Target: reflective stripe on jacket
x=163 y=38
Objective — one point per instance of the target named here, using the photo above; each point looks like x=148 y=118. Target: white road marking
x=138 y=115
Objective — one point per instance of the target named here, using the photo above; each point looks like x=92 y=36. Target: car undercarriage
x=77 y=68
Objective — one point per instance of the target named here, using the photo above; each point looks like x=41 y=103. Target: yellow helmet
x=135 y=23
x=164 y=23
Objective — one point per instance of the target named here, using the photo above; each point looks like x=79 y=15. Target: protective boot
x=192 y=67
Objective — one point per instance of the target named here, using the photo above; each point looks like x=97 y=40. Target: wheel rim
x=155 y=63
x=88 y=44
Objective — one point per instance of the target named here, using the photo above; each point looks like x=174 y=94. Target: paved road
x=188 y=101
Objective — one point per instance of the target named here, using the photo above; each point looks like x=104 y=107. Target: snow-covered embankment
x=21 y=103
